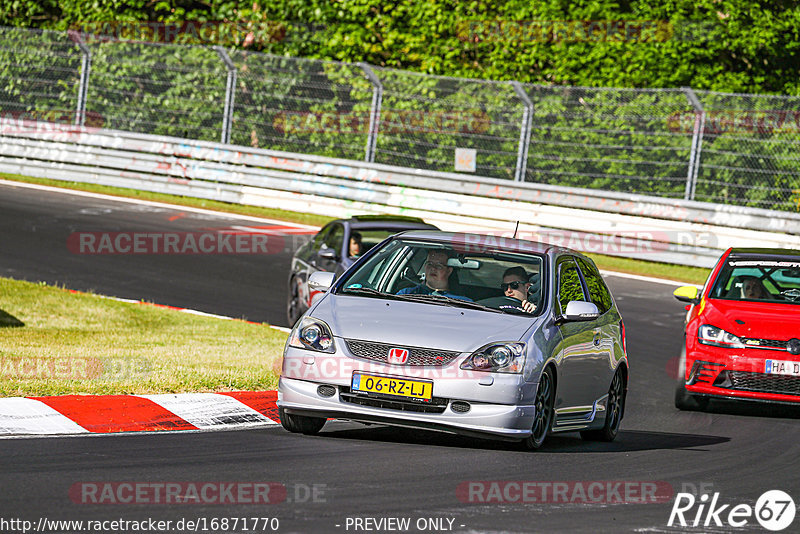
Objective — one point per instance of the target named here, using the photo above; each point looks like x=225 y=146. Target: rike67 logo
x=774 y=510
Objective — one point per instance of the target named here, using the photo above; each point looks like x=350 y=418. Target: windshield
x=438 y=273
x=759 y=279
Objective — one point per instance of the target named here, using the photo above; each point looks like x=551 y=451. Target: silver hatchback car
x=464 y=333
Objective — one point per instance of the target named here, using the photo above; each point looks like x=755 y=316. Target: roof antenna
x=515 y=230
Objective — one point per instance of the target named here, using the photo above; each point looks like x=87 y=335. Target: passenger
x=356 y=247
x=516 y=285
x=753 y=288
x=437 y=277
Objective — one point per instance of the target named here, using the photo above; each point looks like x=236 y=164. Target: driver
x=516 y=285
x=753 y=288
x=437 y=277
x=356 y=246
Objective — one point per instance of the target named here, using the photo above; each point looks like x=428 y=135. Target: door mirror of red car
x=688 y=294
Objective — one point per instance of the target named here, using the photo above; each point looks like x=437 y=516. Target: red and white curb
x=103 y=414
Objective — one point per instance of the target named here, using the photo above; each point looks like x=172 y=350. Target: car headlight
x=497 y=358
x=711 y=335
x=312 y=334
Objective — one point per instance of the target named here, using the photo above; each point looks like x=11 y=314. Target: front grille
x=326 y=391
x=784 y=385
x=754 y=343
x=437 y=404
x=703 y=372
x=379 y=352
x=460 y=407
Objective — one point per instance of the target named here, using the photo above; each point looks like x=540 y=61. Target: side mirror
x=327 y=253
x=688 y=294
x=321 y=281
x=579 y=310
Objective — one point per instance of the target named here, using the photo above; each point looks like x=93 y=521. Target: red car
x=743 y=330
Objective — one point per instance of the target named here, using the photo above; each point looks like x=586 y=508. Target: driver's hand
x=529 y=307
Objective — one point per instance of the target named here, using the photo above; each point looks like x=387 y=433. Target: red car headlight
x=712 y=335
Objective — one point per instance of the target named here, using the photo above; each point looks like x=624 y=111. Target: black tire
x=294 y=308
x=683 y=399
x=301 y=423
x=615 y=409
x=543 y=420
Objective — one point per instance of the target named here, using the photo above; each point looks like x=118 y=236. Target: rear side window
x=598 y=290
x=569 y=284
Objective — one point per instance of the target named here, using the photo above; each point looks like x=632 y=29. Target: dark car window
x=319 y=239
x=333 y=238
x=598 y=290
x=569 y=283
x=755 y=278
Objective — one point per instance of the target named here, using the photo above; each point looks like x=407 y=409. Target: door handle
x=597 y=335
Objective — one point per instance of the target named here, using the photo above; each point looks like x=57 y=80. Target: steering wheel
x=502 y=302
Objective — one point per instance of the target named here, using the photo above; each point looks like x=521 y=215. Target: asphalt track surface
x=738 y=451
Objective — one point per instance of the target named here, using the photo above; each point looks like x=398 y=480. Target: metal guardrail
x=672 y=231
x=724 y=148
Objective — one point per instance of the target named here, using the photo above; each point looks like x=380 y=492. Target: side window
x=319 y=239
x=597 y=288
x=333 y=238
x=569 y=283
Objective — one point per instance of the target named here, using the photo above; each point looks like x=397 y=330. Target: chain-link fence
x=677 y=143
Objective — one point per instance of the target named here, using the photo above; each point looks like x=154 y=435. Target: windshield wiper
x=369 y=292
x=445 y=300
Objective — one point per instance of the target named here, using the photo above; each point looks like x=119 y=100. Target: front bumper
x=499 y=421
x=740 y=374
x=497 y=405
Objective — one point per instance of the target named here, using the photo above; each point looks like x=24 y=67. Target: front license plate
x=392 y=386
x=778 y=367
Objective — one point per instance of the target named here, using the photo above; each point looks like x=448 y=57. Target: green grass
x=679 y=273
x=56 y=342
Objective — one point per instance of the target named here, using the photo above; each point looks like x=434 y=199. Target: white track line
x=646 y=278
x=155 y=204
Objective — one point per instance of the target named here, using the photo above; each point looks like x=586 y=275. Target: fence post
x=230 y=90
x=374 y=112
x=697 y=143
x=83 y=88
x=524 y=133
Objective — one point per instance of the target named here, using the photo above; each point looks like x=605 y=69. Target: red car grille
x=783 y=385
x=765 y=343
x=379 y=352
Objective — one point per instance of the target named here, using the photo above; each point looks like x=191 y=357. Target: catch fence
x=728 y=149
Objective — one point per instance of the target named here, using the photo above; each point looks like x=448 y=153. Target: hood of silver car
x=418 y=324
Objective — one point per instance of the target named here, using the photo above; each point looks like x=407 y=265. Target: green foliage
x=720 y=45
x=611 y=139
